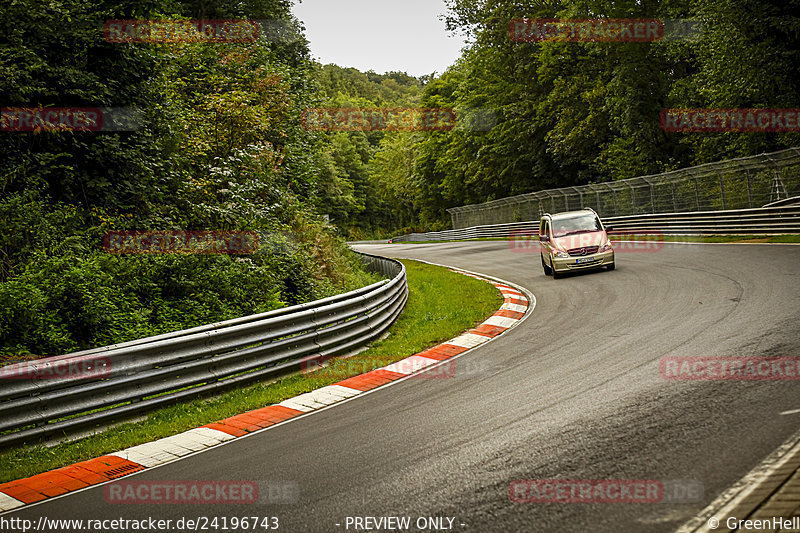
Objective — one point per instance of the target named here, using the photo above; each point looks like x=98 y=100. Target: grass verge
x=441 y=305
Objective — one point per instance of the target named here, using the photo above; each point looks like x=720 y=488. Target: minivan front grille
x=586 y=250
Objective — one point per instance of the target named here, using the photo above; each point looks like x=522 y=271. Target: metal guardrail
x=137 y=376
x=742 y=183
x=765 y=220
x=794 y=200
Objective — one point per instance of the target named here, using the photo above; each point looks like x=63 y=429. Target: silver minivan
x=572 y=241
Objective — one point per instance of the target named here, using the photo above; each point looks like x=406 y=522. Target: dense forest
x=221 y=145
x=569 y=113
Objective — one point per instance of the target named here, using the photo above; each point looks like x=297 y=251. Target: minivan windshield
x=571 y=225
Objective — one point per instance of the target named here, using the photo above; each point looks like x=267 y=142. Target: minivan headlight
x=560 y=254
x=605 y=247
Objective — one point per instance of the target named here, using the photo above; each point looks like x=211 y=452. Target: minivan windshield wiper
x=575 y=232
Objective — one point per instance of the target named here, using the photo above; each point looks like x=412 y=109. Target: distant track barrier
x=743 y=183
x=782 y=219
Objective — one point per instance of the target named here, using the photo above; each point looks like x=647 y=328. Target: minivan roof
x=565 y=214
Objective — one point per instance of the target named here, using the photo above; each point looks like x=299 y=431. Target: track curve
x=573 y=392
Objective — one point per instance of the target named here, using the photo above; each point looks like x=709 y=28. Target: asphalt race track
x=573 y=392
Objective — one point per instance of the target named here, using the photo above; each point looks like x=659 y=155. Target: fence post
x=674 y=202
x=597 y=198
x=722 y=189
x=749 y=189
x=697 y=192
x=777 y=187
x=614 y=198
x=633 y=199
x=652 y=195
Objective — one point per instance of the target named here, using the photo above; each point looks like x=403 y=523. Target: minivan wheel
x=547 y=270
x=612 y=266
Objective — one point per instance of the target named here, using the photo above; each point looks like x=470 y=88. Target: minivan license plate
x=584 y=260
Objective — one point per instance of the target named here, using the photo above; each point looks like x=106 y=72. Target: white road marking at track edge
x=726 y=502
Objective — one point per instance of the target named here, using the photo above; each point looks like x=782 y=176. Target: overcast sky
x=382 y=35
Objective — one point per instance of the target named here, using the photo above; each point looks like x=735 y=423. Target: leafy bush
x=60 y=303
x=220 y=147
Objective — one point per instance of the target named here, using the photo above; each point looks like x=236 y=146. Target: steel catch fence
x=743 y=183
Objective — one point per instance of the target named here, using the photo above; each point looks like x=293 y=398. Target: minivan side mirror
x=544 y=238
